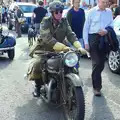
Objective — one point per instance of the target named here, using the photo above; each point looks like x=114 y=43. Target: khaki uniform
x=49 y=35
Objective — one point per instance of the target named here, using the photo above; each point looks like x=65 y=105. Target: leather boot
x=36 y=92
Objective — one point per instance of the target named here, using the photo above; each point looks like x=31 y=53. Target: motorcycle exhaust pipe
x=48 y=88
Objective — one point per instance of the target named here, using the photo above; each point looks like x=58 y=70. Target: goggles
x=58 y=11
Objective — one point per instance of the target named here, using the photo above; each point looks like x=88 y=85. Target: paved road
x=17 y=103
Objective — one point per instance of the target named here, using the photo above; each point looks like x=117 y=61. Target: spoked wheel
x=114 y=61
x=75 y=106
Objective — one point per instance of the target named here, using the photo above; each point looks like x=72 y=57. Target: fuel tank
x=53 y=64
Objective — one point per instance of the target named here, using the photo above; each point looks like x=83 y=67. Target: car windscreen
x=27 y=8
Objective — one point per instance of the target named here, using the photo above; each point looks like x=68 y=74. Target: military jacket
x=49 y=34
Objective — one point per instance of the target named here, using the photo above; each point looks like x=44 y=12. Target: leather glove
x=60 y=47
x=78 y=46
x=83 y=51
x=65 y=49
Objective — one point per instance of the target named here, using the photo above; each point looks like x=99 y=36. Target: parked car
x=7 y=44
x=27 y=9
x=114 y=57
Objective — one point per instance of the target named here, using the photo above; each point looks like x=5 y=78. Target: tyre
x=114 y=61
x=24 y=29
x=11 y=54
x=75 y=106
x=10 y=26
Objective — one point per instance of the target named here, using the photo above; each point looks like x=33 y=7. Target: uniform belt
x=94 y=34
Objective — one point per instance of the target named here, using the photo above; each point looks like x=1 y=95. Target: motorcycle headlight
x=70 y=59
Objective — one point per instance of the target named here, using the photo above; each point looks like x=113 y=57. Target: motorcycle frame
x=61 y=77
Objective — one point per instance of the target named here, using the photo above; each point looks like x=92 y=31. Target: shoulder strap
x=54 y=32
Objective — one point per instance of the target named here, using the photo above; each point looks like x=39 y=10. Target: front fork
x=63 y=90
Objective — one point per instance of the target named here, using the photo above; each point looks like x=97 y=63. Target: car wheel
x=11 y=54
x=10 y=26
x=114 y=61
x=24 y=29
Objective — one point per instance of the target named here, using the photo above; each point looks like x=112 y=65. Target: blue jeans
x=82 y=42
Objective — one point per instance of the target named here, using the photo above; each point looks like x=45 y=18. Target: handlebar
x=49 y=53
x=46 y=53
x=38 y=52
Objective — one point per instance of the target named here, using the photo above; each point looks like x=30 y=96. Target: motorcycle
x=7 y=45
x=62 y=84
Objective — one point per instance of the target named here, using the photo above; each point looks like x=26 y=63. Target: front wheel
x=75 y=105
x=11 y=54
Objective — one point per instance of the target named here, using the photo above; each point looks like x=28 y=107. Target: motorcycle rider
x=53 y=31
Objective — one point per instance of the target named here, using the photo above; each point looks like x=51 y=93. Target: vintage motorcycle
x=62 y=84
x=7 y=45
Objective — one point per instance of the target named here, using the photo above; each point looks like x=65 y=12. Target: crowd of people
x=69 y=8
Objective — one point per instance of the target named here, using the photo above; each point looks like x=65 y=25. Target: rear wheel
x=24 y=30
x=11 y=54
x=75 y=106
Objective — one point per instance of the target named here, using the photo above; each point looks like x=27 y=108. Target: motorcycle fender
x=7 y=48
x=76 y=80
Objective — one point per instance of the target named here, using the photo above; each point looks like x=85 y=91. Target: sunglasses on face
x=60 y=11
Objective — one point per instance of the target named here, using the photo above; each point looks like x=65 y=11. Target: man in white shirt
x=99 y=17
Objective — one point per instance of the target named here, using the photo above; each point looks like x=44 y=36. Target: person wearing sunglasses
x=53 y=31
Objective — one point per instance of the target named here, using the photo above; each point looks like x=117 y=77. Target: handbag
x=21 y=20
